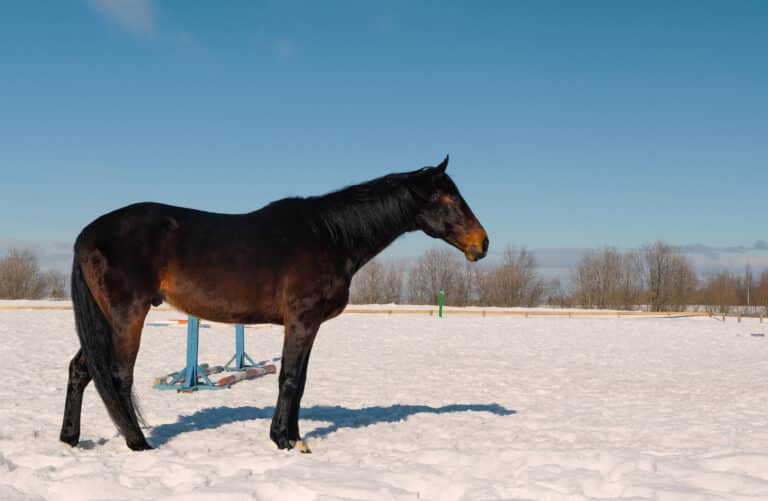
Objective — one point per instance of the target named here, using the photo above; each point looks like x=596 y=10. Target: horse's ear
x=443 y=165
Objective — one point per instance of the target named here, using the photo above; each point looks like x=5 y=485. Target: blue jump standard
x=194 y=377
x=240 y=357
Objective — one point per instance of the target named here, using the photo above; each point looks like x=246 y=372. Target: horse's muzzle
x=476 y=253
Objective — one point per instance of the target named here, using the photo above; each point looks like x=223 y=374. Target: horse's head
x=444 y=214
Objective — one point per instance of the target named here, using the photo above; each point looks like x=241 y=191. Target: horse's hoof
x=71 y=441
x=283 y=443
x=139 y=445
x=301 y=446
x=280 y=438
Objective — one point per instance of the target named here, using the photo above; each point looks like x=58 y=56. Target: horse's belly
x=222 y=298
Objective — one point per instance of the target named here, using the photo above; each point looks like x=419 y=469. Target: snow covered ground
x=411 y=407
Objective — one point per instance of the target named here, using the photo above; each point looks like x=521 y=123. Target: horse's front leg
x=297 y=344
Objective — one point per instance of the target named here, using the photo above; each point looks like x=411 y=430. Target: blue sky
x=569 y=124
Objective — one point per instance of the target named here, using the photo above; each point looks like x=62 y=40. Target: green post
x=440 y=304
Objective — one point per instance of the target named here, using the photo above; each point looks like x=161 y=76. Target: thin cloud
x=759 y=245
x=734 y=263
x=137 y=17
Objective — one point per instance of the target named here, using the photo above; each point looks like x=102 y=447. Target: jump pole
x=440 y=298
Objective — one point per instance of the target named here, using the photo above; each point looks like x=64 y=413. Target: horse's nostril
x=485 y=246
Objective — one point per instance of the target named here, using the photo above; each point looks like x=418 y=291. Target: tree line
x=513 y=282
x=655 y=277
x=22 y=278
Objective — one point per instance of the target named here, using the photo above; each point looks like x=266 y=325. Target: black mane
x=368 y=213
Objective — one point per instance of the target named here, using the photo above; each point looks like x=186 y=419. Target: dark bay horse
x=289 y=263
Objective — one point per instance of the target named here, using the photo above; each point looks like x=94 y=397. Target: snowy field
x=411 y=407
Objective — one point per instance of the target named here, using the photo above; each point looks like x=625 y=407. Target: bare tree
x=20 y=276
x=683 y=283
x=657 y=262
x=670 y=277
x=378 y=282
x=586 y=282
x=612 y=279
x=394 y=280
x=761 y=292
x=436 y=270
x=366 y=283
x=514 y=282
x=608 y=279
x=720 y=292
x=748 y=282
x=630 y=288
x=55 y=284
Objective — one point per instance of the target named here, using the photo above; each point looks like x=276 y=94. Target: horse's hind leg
x=127 y=332
x=78 y=380
x=111 y=295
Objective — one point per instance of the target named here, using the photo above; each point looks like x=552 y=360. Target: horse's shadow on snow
x=338 y=417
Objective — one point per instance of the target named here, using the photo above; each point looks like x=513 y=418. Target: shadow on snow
x=338 y=417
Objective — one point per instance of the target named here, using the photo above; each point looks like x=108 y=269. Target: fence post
x=440 y=299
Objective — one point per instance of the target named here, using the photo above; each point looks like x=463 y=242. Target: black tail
x=95 y=336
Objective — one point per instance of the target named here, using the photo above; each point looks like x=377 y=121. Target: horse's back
x=149 y=227
x=225 y=267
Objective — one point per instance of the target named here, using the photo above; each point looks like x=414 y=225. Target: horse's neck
x=365 y=249
x=362 y=238
x=364 y=253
